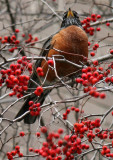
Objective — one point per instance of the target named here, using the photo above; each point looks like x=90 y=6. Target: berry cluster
x=59 y=146
x=14 y=77
x=92 y=75
x=34 y=108
x=15 y=152
x=86 y=24
x=55 y=146
x=13 y=41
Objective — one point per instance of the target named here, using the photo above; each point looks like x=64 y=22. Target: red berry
x=98 y=29
x=67 y=111
x=50 y=62
x=20 y=154
x=30 y=149
x=72 y=108
x=39 y=70
x=19 y=61
x=94 y=80
x=43 y=129
x=84 y=76
x=96 y=94
x=22 y=134
x=60 y=143
x=102 y=95
x=100 y=76
x=38 y=134
x=93 y=15
x=89 y=43
x=95 y=74
x=107 y=80
x=98 y=16
x=60 y=130
x=92 y=54
x=101 y=68
x=111 y=51
x=17 y=147
x=31 y=103
x=94 y=19
x=92 y=29
x=13 y=153
x=17 y=30
x=95 y=62
x=18 y=72
x=92 y=92
x=36 y=38
x=107 y=24
x=77 y=110
x=17 y=42
x=13 y=37
x=38 y=91
x=91 y=33
x=112 y=79
x=23 y=35
x=96 y=45
x=67 y=137
x=88 y=19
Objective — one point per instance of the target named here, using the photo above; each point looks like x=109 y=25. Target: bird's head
x=70 y=18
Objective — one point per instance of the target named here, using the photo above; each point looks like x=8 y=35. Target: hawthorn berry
x=30 y=149
x=38 y=91
x=13 y=37
x=20 y=154
x=17 y=42
x=93 y=15
x=89 y=43
x=102 y=95
x=111 y=51
x=68 y=111
x=92 y=54
x=50 y=62
x=19 y=61
x=98 y=29
x=72 y=108
x=43 y=129
x=107 y=24
x=22 y=134
x=96 y=45
x=60 y=130
x=36 y=39
x=98 y=16
x=77 y=110
x=17 y=147
x=96 y=94
x=17 y=30
x=38 y=134
x=13 y=153
x=60 y=143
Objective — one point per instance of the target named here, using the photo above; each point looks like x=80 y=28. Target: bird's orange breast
x=70 y=40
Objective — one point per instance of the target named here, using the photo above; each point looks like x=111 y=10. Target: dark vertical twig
x=10 y=14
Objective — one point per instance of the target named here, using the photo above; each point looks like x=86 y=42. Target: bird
x=71 y=38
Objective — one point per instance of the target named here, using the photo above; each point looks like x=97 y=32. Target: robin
x=70 y=43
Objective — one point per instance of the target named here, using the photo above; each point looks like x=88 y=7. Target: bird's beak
x=70 y=13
